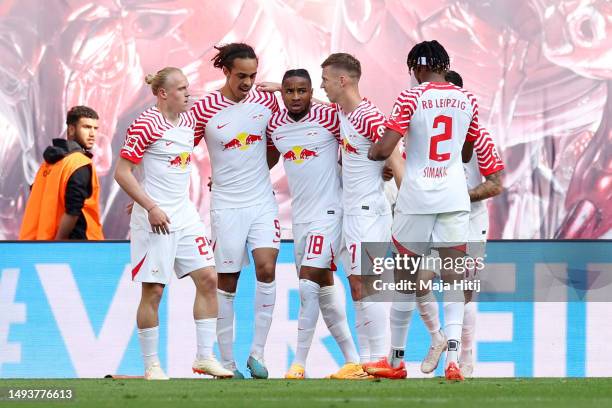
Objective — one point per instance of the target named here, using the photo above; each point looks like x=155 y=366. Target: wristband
x=154 y=205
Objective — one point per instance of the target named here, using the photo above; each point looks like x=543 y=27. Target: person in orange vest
x=64 y=199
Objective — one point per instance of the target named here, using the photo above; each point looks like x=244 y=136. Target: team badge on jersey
x=348 y=147
x=298 y=154
x=242 y=141
x=182 y=160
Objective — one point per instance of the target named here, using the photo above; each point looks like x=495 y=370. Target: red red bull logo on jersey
x=181 y=161
x=242 y=141
x=299 y=155
x=348 y=147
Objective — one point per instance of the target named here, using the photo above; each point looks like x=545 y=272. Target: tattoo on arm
x=491 y=187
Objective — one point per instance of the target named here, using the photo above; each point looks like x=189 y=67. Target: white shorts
x=476 y=245
x=477 y=241
x=155 y=256
x=364 y=228
x=317 y=243
x=235 y=228
x=418 y=233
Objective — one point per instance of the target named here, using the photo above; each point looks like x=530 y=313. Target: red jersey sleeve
x=473 y=131
x=201 y=115
x=327 y=116
x=369 y=122
x=403 y=110
x=139 y=136
x=489 y=159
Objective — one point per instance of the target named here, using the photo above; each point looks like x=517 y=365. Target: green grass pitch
x=490 y=393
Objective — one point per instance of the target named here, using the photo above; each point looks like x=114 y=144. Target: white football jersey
x=362 y=184
x=438 y=117
x=235 y=135
x=485 y=161
x=165 y=151
x=309 y=150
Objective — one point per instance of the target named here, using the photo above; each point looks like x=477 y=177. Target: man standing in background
x=64 y=200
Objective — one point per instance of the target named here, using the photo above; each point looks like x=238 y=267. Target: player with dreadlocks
x=486 y=164
x=243 y=210
x=433 y=205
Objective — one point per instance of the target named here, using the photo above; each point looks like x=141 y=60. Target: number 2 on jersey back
x=447 y=121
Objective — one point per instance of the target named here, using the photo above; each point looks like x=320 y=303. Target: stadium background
x=541 y=70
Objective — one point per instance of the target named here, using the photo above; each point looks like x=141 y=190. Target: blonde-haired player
x=166 y=231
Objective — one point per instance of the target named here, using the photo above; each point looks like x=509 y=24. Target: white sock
x=307 y=320
x=400 y=316
x=225 y=327
x=206 y=336
x=453 y=320
x=376 y=323
x=335 y=319
x=363 y=339
x=265 y=297
x=149 y=339
x=429 y=311
x=469 y=328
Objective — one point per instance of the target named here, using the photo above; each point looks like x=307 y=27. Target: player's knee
x=206 y=281
x=152 y=294
x=421 y=291
x=265 y=272
x=228 y=282
x=356 y=288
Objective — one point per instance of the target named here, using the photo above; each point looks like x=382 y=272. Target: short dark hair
x=229 y=52
x=77 y=112
x=300 y=72
x=430 y=54
x=454 y=78
x=344 y=61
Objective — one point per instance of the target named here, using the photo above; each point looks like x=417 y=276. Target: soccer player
x=307 y=137
x=244 y=212
x=166 y=231
x=486 y=163
x=366 y=211
x=433 y=203
x=63 y=202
